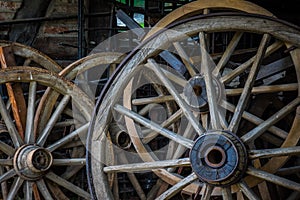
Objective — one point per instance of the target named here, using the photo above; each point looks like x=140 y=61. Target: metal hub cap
x=219 y=158
x=195 y=93
x=31 y=162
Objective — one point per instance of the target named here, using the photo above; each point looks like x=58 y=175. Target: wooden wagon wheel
x=220 y=147
x=34 y=167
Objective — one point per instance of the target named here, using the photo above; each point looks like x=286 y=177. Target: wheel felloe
x=219 y=158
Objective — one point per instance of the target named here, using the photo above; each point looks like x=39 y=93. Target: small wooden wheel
x=36 y=165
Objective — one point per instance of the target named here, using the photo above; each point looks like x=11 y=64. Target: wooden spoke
x=15 y=188
x=268 y=153
x=208 y=189
x=264 y=89
x=7 y=175
x=288 y=170
x=44 y=135
x=185 y=58
x=15 y=137
x=6 y=162
x=153 y=126
x=237 y=116
x=29 y=136
x=69 y=162
x=226 y=193
x=207 y=66
x=247 y=191
x=260 y=129
x=176 y=79
x=149 y=100
x=178 y=187
x=228 y=52
x=68 y=185
x=229 y=77
x=198 y=128
x=68 y=138
x=173 y=118
x=256 y=120
x=274 y=179
x=43 y=189
x=5 y=148
x=146 y=166
x=28 y=188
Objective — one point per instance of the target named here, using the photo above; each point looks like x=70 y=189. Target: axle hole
x=197 y=90
x=215 y=157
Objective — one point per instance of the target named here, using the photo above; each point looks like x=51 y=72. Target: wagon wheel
x=34 y=167
x=101 y=63
x=205 y=6
x=220 y=147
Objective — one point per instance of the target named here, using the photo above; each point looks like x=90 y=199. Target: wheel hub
x=31 y=162
x=195 y=93
x=219 y=158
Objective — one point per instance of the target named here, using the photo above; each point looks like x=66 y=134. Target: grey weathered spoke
x=268 y=153
x=229 y=77
x=178 y=187
x=5 y=148
x=237 y=116
x=27 y=61
x=29 y=136
x=15 y=188
x=288 y=171
x=207 y=66
x=226 y=193
x=43 y=189
x=153 y=126
x=7 y=175
x=175 y=78
x=182 y=104
x=185 y=58
x=28 y=190
x=260 y=129
x=173 y=118
x=207 y=192
x=15 y=136
x=256 y=120
x=6 y=162
x=132 y=178
x=48 y=128
x=68 y=185
x=69 y=162
x=228 y=52
x=146 y=166
x=264 y=89
x=149 y=100
x=68 y=138
x=247 y=191
x=274 y=179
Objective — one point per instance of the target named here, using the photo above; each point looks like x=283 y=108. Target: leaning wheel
x=34 y=165
x=209 y=131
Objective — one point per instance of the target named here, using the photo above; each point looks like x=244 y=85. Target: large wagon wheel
x=35 y=166
x=213 y=143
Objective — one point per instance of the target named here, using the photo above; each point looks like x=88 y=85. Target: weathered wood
x=26 y=33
